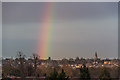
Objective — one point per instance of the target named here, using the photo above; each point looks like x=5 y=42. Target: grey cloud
x=34 y=12
x=78 y=29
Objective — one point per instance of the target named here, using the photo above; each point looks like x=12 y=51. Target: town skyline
x=43 y=67
x=54 y=58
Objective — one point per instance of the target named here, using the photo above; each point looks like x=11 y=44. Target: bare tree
x=35 y=61
x=21 y=60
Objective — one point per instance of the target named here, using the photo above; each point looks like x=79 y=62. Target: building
x=95 y=57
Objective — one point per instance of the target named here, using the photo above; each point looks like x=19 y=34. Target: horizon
x=80 y=57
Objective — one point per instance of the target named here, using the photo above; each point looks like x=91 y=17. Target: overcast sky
x=79 y=29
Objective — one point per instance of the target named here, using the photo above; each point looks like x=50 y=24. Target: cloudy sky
x=78 y=29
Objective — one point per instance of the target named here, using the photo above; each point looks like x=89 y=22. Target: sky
x=77 y=28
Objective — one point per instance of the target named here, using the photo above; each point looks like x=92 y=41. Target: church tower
x=95 y=57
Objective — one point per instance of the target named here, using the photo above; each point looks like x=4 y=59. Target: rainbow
x=44 y=46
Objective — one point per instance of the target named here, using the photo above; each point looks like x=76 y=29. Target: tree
x=21 y=60
x=84 y=73
x=29 y=70
x=7 y=70
x=68 y=70
x=35 y=61
x=62 y=76
x=104 y=74
x=53 y=75
x=64 y=61
x=77 y=60
x=118 y=73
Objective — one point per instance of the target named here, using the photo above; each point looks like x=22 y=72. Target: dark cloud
x=27 y=12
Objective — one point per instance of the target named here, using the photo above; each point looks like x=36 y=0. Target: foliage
x=29 y=70
x=84 y=73
x=118 y=73
x=7 y=70
x=62 y=76
x=55 y=76
x=104 y=74
x=35 y=60
x=21 y=59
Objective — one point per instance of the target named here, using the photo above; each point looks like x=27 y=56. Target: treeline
x=84 y=74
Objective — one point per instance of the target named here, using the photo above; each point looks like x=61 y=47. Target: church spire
x=95 y=57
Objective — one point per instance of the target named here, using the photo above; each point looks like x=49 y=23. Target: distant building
x=95 y=57
x=49 y=59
